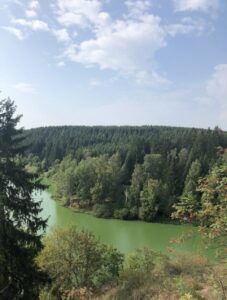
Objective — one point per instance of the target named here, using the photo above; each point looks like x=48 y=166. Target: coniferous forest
x=126 y=172
x=145 y=173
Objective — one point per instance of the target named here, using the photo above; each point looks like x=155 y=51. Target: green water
x=126 y=236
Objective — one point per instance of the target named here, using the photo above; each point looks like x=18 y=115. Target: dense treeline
x=126 y=182
x=126 y=172
x=51 y=143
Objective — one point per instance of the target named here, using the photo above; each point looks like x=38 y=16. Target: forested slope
x=126 y=172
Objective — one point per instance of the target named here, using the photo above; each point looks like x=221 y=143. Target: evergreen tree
x=137 y=182
x=192 y=179
x=105 y=168
x=153 y=166
x=190 y=199
x=20 y=225
x=149 y=197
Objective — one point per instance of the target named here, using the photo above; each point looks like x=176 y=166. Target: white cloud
x=17 y=2
x=61 y=35
x=95 y=82
x=127 y=46
x=25 y=88
x=189 y=25
x=78 y=12
x=32 y=8
x=149 y=79
x=34 y=4
x=60 y=64
x=15 y=31
x=217 y=89
x=30 y=13
x=215 y=94
x=217 y=85
x=193 y=5
x=36 y=25
x=137 y=7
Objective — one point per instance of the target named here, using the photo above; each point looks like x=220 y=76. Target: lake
x=126 y=236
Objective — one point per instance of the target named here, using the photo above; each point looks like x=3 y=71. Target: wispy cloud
x=94 y=82
x=78 y=12
x=18 y=2
x=217 y=89
x=126 y=45
x=34 y=4
x=23 y=87
x=215 y=93
x=61 y=35
x=217 y=85
x=199 y=5
x=129 y=45
x=36 y=25
x=60 y=64
x=30 y=13
x=189 y=25
x=137 y=8
x=32 y=9
x=15 y=31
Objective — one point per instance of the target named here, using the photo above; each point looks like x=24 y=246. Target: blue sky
x=115 y=62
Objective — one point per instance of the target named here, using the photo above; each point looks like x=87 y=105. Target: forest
x=126 y=172
x=137 y=174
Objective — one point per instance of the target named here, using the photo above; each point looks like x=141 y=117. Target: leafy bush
x=133 y=213
x=121 y=213
x=76 y=259
x=102 y=211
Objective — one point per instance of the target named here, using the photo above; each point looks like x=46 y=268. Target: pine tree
x=189 y=202
x=20 y=224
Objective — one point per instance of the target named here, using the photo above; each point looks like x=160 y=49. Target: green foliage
x=102 y=210
x=150 y=275
x=82 y=268
x=20 y=225
x=107 y=169
x=189 y=201
x=75 y=259
x=138 y=266
x=85 y=179
x=153 y=166
x=212 y=216
x=137 y=181
x=125 y=172
x=210 y=210
x=64 y=179
x=149 y=197
x=192 y=178
x=122 y=214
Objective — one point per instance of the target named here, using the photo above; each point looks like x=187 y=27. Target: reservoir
x=126 y=236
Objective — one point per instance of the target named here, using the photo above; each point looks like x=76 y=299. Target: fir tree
x=20 y=224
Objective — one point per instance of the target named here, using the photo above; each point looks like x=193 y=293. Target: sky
x=115 y=62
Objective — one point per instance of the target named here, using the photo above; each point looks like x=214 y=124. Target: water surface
x=126 y=236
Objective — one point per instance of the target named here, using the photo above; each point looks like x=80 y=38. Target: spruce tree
x=20 y=224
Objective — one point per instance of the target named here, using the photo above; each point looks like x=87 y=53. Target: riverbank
x=126 y=236
x=76 y=209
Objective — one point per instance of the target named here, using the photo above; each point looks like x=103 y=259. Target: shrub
x=76 y=259
x=102 y=211
x=122 y=214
